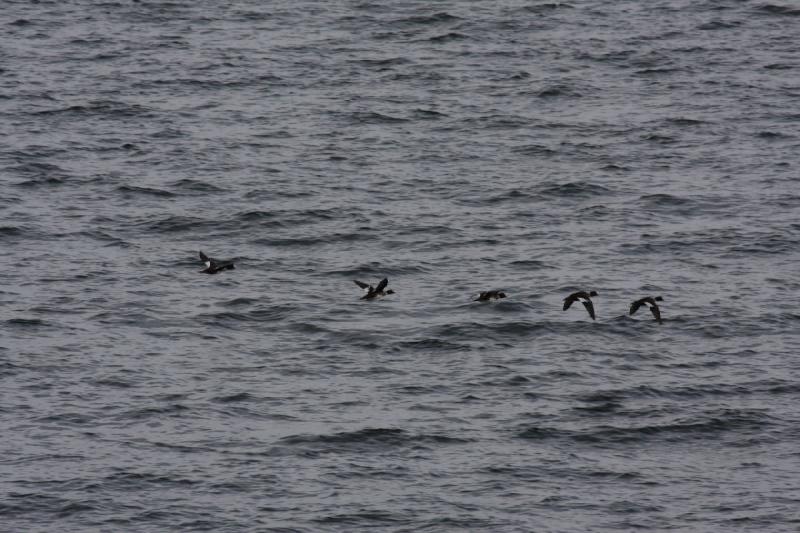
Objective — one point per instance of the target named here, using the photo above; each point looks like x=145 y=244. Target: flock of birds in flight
x=371 y=292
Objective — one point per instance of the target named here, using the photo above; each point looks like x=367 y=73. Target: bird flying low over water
x=374 y=292
x=485 y=296
x=213 y=266
x=650 y=302
x=582 y=297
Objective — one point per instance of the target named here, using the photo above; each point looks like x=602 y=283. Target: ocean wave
x=577 y=189
x=375 y=440
x=664 y=200
x=448 y=37
x=535 y=150
x=241 y=302
x=195 y=186
x=332 y=238
x=498 y=121
x=429 y=345
x=176 y=224
x=426 y=20
x=777 y=10
x=714 y=25
x=39 y=174
x=145 y=191
x=366 y=117
x=429 y=114
x=773 y=135
x=15 y=234
x=376 y=269
x=109 y=108
x=374 y=518
x=171 y=410
x=133 y=480
x=530 y=264
x=683 y=121
x=231 y=398
x=30 y=503
x=547 y=7
x=707 y=427
x=28 y=323
x=382 y=63
x=558 y=90
x=496 y=332
x=683 y=392
x=263 y=314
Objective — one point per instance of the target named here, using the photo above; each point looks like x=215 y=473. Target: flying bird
x=583 y=297
x=374 y=292
x=650 y=302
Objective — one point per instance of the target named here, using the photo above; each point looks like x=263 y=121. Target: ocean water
x=632 y=148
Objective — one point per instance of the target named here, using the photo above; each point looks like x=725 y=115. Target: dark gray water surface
x=634 y=148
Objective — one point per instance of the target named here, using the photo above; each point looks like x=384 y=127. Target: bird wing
x=204 y=258
x=589 y=307
x=656 y=313
x=382 y=285
x=361 y=284
x=635 y=306
x=568 y=301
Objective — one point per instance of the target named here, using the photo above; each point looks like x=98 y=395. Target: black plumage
x=582 y=297
x=213 y=265
x=650 y=302
x=485 y=296
x=374 y=292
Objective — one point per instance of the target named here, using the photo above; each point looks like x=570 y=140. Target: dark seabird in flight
x=374 y=292
x=213 y=266
x=650 y=302
x=485 y=296
x=582 y=297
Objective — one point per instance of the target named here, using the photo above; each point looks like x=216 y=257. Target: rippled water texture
x=632 y=148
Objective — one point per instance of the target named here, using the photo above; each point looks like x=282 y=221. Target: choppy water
x=634 y=148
